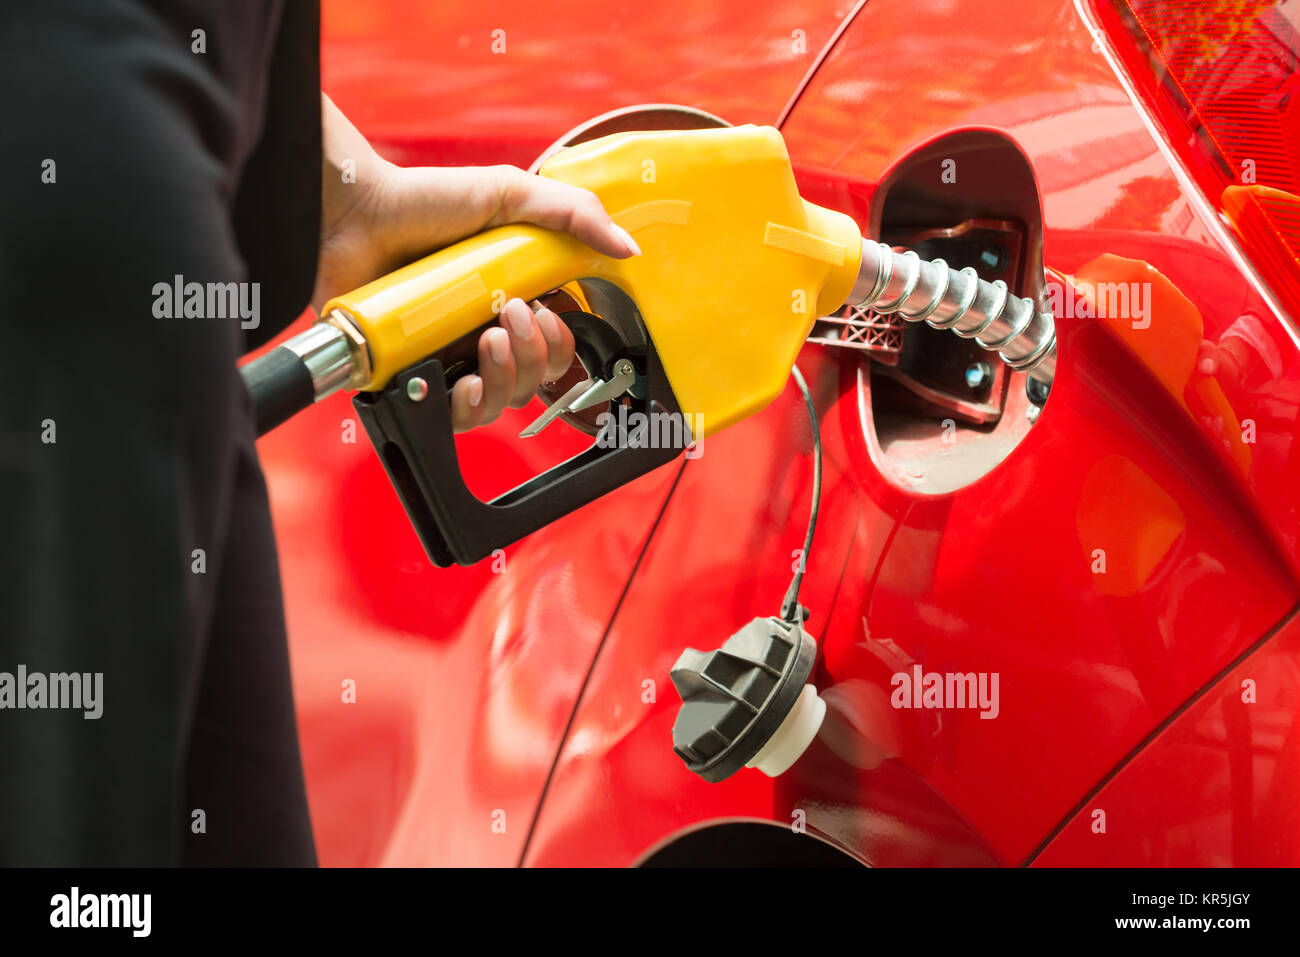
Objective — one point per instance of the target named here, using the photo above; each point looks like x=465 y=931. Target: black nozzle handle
x=305 y=369
x=281 y=386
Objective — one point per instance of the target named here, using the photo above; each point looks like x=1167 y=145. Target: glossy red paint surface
x=1216 y=788
x=619 y=789
x=498 y=82
x=472 y=684
x=446 y=664
x=1199 y=543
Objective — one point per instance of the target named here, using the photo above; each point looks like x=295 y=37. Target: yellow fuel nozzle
x=734 y=270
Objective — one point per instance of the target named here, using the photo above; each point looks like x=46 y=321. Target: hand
x=389 y=216
x=1222 y=360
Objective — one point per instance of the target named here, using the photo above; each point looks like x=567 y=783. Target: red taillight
x=1221 y=77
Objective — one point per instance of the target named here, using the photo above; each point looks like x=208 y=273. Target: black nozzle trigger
x=410 y=425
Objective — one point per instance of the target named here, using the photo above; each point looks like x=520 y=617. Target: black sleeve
x=137 y=540
x=277 y=208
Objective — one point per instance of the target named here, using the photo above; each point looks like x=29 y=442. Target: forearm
x=350 y=167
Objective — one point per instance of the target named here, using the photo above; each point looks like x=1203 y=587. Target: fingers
x=496 y=367
x=529 y=348
x=1207 y=358
x=555 y=205
x=542 y=346
x=467 y=403
x=559 y=342
x=531 y=345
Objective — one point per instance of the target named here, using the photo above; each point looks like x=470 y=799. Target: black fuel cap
x=747 y=704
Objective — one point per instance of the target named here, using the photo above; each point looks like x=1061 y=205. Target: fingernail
x=628 y=242
x=519 y=319
x=550 y=326
x=474 y=392
x=498 y=348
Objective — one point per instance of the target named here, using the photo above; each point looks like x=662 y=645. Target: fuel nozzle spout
x=922 y=290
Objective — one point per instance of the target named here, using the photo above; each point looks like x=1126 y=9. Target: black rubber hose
x=280 y=385
x=791 y=610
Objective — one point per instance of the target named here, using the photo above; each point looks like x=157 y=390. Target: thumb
x=526 y=198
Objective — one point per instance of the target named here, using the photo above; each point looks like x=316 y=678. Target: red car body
x=522 y=714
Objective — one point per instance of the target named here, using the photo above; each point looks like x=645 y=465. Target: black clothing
x=134 y=525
